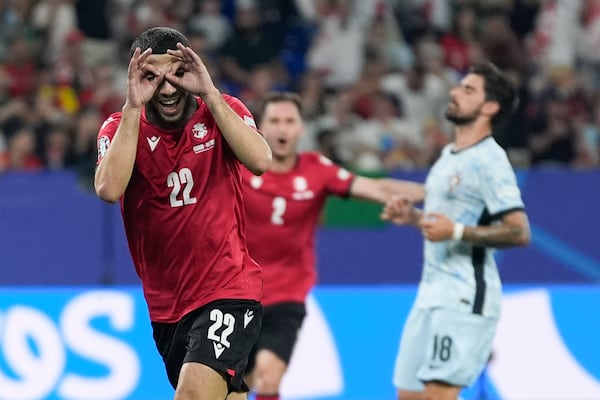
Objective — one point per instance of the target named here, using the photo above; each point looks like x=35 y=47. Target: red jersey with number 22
x=282 y=211
x=183 y=215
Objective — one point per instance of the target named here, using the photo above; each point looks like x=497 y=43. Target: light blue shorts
x=446 y=345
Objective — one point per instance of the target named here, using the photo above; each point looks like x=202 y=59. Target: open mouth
x=170 y=105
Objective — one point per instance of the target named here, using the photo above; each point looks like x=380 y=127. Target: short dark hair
x=499 y=88
x=160 y=39
x=278 y=97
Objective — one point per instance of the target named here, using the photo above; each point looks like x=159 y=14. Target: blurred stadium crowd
x=373 y=74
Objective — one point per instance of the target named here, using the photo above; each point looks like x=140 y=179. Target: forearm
x=412 y=190
x=495 y=236
x=115 y=169
x=249 y=147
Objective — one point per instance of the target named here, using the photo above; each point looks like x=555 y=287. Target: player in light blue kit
x=472 y=206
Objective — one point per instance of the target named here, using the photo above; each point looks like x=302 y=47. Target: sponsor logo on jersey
x=153 y=141
x=199 y=130
x=301 y=189
x=103 y=143
x=202 y=147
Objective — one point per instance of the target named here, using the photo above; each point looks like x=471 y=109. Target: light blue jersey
x=449 y=333
x=474 y=186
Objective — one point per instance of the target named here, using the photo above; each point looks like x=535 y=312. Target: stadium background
x=73 y=323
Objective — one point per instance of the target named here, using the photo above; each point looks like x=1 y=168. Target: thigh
x=412 y=351
x=459 y=347
x=279 y=331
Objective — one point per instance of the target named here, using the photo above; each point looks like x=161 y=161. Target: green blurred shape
x=353 y=213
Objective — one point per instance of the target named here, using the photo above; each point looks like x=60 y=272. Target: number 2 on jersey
x=176 y=181
x=279 y=206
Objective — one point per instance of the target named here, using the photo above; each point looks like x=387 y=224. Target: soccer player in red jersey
x=282 y=209
x=173 y=157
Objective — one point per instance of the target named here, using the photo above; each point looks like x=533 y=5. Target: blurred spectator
x=552 y=42
x=20 y=154
x=53 y=20
x=389 y=135
x=73 y=79
x=144 y=14
x=84 y=150
x=57 y=146
x=501 y=45
x=588 y=40
x=249 y=46
x=562 y=110
x=385 y=41
x=336 y=53
x=423 y=94
x=211 y=22
x=336 y=130
x=93 y=21
x=260 y=83
x=62 y=63
x=459 y=41
x=20 y=68
x=11 y=25
x=313 y=100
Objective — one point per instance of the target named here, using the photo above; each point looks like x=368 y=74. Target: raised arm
x=250 y=148
x=381 y=190
x=115 y=168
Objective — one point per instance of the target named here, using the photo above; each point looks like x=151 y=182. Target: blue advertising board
x=54 y=232
x=96 y=343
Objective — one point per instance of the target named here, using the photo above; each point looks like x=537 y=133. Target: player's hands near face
x=142 y=79
x=195 y=78
x=400 y=210
x=436 y=227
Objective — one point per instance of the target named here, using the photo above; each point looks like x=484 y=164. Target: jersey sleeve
x=499 y=186
x=105 y=135
x=241 y=110
x=338 y=180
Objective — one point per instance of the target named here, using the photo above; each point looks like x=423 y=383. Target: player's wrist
x=458 y=231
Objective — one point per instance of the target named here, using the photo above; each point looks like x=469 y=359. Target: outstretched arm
x=380 y=190
x=401 y=211
x=249 y=147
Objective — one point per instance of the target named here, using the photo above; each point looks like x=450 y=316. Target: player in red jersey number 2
x=173 y=157
x=282 y=209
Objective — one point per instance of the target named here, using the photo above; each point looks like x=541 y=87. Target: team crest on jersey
x=199 y=130
x=256 y=182
x=454 y=182
x=301 y=189
x=249 y=121
x=103 y=143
